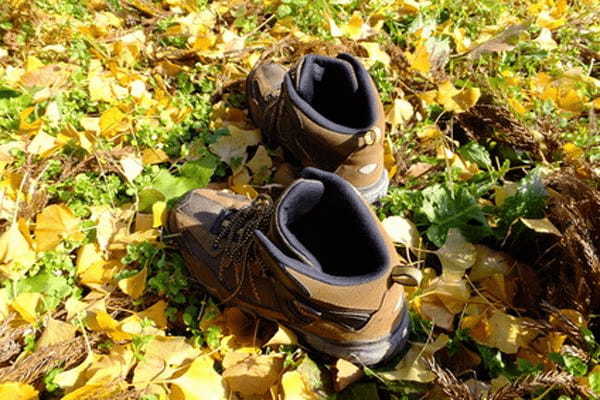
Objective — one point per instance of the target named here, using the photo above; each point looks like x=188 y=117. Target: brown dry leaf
x=55 y=223
x=56 y=332
x=345 y=374
x=413 y=366
x=17 y=391
x=254 y=375
x=498 y=43
x=135 y=285
x=198 y=381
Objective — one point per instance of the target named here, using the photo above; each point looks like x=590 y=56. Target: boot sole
x=377 y=190
x=363 y=352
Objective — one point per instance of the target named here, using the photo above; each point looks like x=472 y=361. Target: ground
x=110 y=110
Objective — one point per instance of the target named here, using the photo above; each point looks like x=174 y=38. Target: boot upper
x=327 y=114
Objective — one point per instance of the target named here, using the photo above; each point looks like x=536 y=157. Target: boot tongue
x=295 y=203
x=314 y=69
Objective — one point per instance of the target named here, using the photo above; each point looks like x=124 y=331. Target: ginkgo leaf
x=132 y=166
x=42 y=144
x=542 y=225
x=17 y=391
x=156 y=313
x=254 y=375
x=154 y=156
x=346 y=374
x=135 y=285
x=26 y=304
x=402 y=230
x=16 y=253
x=500 y=330
x=55 y=223
x=294 y=387
x=419 y=60
x=112 y=121
x=456 y=255
x=159 y=214
x=56 y=331
x=283 y=336
x=198 y=381
x=233 y=146
x=376 y=54
x=413 y=367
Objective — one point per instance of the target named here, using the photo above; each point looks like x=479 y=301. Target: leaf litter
x=111 y=110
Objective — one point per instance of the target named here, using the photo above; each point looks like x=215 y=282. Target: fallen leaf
x=457 y=100
x=489 y=262
x=542 y=225
x=376 y=54
x=345 y=374
x=456 y=255
x=112 y=121
x=132 y=167
x=294 y=387
x=17 y=391
x=56 y=331
x=233 y=146
x=254 y=375
x=442 y=300
x=154 y=156
x=413 y=366
x=260 y=165
x=159 y=214
x=498 y=43
x=16 y=253
x=55 y=223
x=402 y=230
x=198 y=381
x=156 y=313
x=419 y=60
x=502 y=331
x=135 y=285
x=27 y=305
x=283 y=336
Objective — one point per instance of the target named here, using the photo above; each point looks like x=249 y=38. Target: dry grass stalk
x=551 y=379
x=449 y=383
x=31 y=368
x=10 y=339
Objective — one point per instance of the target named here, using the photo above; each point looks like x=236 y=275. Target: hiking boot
x=318 y=261
x=327 y=113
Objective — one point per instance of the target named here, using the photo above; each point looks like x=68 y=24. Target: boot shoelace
x=237 y=238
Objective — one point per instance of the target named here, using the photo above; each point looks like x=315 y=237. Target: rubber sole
x=377 y=190
x=365 y=353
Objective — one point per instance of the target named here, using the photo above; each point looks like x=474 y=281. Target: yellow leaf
x=17 y=391
x=345 y=374
x=132 y=167
x=104 y=391
x=402 y=230
x=260 y=165
x=234 y=145
x=101 y=321
x=570 y=100
x=419 y=60
x=353 y=29
x=542 y=225
x=489 y=262
x=27 y=127
x=467 y=98
x=376 y=54
x=402 y=112
x=429 y=132
x=294 y=387
x=545 y=40
x=573 y=153
x=154 y=156
x=245 y=190
x=135 y=285
x=283 y=336
x=516 y=105
x=16 y=253
x=456 y=255
x=159 y=214
x=198 y=381
x=87 y=256
x=112 y=122
x=56 y=332
x=54 y=223
x=502 y=331
x=442 y=300
x=254 y=375
x=42 y=144
x=26 y=304
x=156 y=313
x=457 y=100
x=413 y=366
x=33 y=63
x=596 y=103
x=100 y=273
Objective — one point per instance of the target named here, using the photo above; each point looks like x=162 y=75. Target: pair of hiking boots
x=318 y=260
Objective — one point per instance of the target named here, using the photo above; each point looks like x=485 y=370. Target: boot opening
x=334 y=228
x=335 y=92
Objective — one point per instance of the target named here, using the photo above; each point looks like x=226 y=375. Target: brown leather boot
x=318 y=262
x=327 y=113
